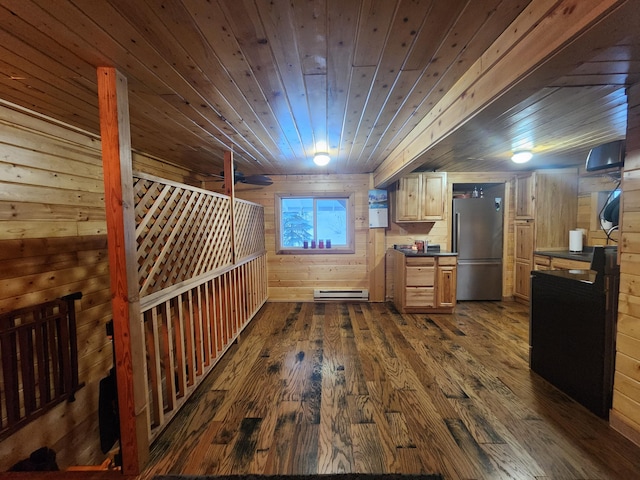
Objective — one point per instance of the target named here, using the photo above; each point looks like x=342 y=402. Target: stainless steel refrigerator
x=477 y=238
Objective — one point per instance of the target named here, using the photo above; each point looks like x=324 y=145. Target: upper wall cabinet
x=525 y=196
x=546 y=209
x=420 y=197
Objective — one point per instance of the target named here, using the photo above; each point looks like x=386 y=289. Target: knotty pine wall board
x=625 y=413
x=52 y=243
x=294 y=277
x=51 y=184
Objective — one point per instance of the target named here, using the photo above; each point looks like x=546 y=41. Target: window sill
x=314 y=251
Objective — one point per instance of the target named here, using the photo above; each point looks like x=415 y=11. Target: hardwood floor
x=358 y=387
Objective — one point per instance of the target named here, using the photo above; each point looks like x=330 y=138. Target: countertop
x=585 y=256
x=585 y=276
x=407 y=252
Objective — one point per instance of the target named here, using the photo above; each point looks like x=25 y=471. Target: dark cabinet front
x=572 y=336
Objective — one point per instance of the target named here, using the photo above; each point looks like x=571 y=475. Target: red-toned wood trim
x=116 y=158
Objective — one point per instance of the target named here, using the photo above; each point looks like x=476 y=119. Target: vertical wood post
x=229 y=190
x=127 y=323
x=376 y=256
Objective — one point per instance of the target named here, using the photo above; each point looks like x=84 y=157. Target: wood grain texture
x=626 y=393
x=128 y=335
x=37 y=265
x=329 y=388
x=294 y=277
x=276 y=81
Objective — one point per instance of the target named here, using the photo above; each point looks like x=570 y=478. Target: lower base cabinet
x=446 y=283
x=425 y=284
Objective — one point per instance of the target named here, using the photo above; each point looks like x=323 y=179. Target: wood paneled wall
x=294 y=277
x=625 y=414
x=52 y=243
x=591 y=187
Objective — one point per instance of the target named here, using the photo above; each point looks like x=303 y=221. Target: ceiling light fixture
x=522 y=156
x=321 y=159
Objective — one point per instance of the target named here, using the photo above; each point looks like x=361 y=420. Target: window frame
x=350 y=224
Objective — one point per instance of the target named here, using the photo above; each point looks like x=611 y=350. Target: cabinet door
x=433 y=196
x=524 y=241
x=408 y=196
x=446 y=286
x=522 y=280
x=525 y=196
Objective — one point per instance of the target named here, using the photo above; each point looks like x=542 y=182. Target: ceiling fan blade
x=250 y=179
x=257 y=180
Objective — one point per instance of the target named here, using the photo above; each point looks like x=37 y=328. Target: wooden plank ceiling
x=277 y=80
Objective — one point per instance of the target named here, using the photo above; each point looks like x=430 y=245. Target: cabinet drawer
x=420 y=276
x=420 y=261
x=541 y=262
x=566 y=264
x=449 y=261
x=420 y=297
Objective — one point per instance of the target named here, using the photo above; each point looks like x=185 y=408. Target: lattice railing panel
x=181 y=232
x=249 y=228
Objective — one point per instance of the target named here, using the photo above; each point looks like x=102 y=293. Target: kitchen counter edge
x=585 y=256
x=411 y=253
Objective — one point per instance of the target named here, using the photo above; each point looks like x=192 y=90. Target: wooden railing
x=39 y=361
x=194 y=300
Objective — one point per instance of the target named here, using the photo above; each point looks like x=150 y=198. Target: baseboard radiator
x=332 y=294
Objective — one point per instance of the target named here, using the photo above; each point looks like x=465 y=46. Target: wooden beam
x=127 y=325
x=541 y=31
x=229 y=175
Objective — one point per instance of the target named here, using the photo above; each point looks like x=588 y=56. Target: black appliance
x=573 y=327
x=609 y=155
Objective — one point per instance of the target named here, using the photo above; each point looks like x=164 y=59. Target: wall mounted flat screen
x=608 y=155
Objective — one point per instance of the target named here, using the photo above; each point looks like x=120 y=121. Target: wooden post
x=229 y=190
x=376 y=256
x=127 y=323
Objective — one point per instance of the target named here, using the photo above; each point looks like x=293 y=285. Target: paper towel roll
x=575 y=240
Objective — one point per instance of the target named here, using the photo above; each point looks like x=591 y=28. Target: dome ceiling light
x=522 y=156
x=321 y=159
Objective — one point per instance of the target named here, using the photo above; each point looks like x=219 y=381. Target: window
x=322 y=223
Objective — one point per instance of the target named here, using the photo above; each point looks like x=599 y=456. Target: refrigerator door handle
x=456 y=232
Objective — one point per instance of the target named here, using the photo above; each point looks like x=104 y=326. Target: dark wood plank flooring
x=358 y=387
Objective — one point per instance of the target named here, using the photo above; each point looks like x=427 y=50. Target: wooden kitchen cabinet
x=446 y=282
x=525 y=196
x=541 y=262
x=546 y=209
x=420 y=197
x=524 y=231
x=522 y=287
x=545 y=262
x=424 y=284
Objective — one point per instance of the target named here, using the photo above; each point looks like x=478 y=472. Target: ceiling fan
x=239 y=177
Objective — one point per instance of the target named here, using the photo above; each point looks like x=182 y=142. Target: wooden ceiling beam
x=540 y=32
